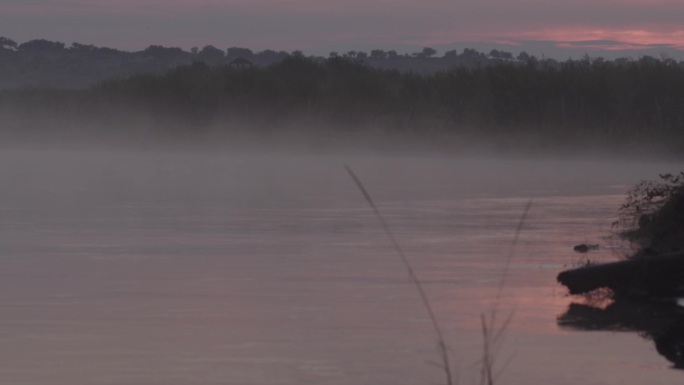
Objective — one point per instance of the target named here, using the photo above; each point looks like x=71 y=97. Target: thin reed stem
x=492 y=332
x=441 y=342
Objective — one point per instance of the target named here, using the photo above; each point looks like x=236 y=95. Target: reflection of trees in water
x=663 y=322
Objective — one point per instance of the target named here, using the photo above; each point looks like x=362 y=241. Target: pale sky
x=321 y=26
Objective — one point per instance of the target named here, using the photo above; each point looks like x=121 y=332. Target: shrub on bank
x=653 y=215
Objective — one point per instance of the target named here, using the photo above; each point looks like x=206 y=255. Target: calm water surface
x=187 y=268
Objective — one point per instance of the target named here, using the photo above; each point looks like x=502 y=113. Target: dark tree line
x=587 y=101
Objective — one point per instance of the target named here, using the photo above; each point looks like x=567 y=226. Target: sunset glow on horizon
x=323 y=26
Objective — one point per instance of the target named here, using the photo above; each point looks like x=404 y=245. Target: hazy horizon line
x=609 y=49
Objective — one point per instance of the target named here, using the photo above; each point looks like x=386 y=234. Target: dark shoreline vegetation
x=629 y=106
x=652 y=220
x=643 y=292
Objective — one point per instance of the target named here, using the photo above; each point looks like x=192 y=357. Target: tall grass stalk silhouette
x=494 y=330
x=442 y=348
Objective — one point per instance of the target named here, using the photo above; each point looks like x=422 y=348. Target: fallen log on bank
x=646 y=276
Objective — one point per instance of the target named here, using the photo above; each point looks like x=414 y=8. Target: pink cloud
x=658 y=35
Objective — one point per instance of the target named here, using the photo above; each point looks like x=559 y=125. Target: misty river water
x=269 y=268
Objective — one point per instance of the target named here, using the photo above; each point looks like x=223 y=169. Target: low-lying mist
x=273 y=177
x=60 y=149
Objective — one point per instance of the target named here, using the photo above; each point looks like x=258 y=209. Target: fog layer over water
x=269 y=268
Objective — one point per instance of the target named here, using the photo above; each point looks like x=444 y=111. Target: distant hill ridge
x=42 y=63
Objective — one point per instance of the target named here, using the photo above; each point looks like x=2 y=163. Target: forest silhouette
x=589 y=101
